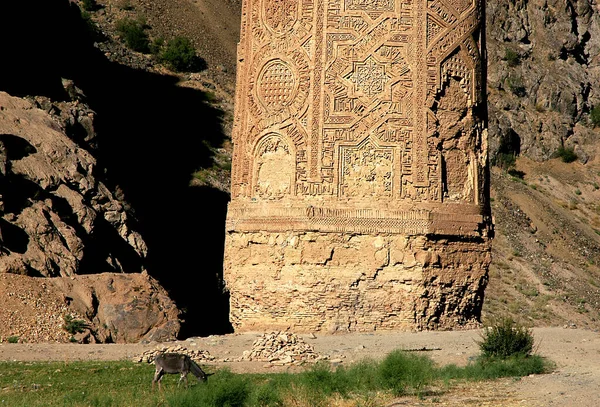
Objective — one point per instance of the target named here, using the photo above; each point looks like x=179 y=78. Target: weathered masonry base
x=359 y=186
x=331 y=281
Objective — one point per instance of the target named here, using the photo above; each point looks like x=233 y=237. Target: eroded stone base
x=308 y=281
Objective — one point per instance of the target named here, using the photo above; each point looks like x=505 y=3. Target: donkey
x=176 y=363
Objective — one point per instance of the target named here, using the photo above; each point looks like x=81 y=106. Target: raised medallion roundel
x=280 y=15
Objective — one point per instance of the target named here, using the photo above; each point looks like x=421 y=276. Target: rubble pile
x=282 y=348
x=198 y=355
x=32 y=311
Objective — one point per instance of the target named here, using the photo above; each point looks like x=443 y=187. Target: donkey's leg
x=183 y=378
x=157 y=378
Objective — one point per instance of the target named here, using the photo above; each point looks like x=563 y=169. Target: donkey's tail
x=197 y=371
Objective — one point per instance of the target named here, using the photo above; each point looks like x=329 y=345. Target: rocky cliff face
x=60 y=220
x=544 y=67
x=543 y=76
x=63 y=220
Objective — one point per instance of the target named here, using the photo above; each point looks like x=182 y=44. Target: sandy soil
x=575 y=382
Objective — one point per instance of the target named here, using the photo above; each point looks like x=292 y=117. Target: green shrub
x=90 y=26
x=180 y=55
x=89 y=5
x=511 y=57
x=401 y=371
x=224 y=389
x=505 y=339
x=267 y=395
x=516 y=86
x=134 y=34
x=321 y=381
x=12 y=339
x=595 y=116
x=566 y=154
x=505 y=161
x=157 y=45
x=74 y=326
x=516 y=173
x=362 y=375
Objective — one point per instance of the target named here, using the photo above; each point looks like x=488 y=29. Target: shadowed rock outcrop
x=59 y=221
x=71 y=222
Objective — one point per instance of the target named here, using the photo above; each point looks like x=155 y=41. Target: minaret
x=360 y=186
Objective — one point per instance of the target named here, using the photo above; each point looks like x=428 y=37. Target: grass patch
x=125 y=384
x=493 y=368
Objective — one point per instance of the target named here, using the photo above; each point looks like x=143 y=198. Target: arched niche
x=274 y=167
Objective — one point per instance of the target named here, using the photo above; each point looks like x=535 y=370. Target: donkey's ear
x=209 y=374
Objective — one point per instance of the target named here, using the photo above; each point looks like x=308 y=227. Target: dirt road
x=574 y=383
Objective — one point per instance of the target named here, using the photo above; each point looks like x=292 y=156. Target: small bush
x=505 y=161
x=267 y=395
x=157 y=45
x=511 y=57
x=134 y=34
x=180 y=55
x=12 y=339
x=74 y=326
x=566 y=154
x=595 y=116
x=89 y=5
x=230 y=390
x=401 y=372
x=90 y=26
x=516 y=173
x=506 y=339
x=516 y=86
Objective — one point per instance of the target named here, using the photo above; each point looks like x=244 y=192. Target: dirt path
x=574 y=383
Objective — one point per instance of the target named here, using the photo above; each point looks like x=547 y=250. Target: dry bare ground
x=575 y=382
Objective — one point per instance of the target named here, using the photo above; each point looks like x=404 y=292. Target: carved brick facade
x=359 y=195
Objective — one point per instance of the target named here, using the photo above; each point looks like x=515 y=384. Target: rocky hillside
x=148 y=153
x=543 y=76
